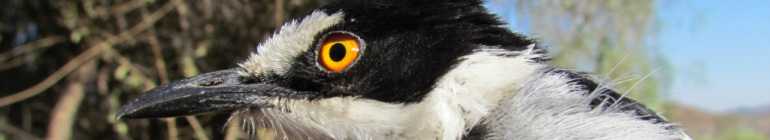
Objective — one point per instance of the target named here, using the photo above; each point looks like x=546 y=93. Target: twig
x=199 y=132
x=278 y=16
x=56 y=76
x=11 y=64
x=32 y=46
x=160 y=65
x=163 y=74
x=173 y=133
x=133 y=69
x=233 y=132
x=128 y=6
x=88 y=54
x=64 y=113
x=20 y=134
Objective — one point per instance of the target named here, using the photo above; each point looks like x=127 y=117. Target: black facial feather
x=409 y=45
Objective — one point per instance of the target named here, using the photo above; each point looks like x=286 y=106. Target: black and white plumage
x=422 y=70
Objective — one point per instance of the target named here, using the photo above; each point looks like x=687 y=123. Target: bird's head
x=363 y=69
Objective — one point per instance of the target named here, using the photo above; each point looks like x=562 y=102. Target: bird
x=399 y=70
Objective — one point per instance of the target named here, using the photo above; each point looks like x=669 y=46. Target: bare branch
x=64 y=113
x=87 y=55
x=18 y=133
x=32 y=46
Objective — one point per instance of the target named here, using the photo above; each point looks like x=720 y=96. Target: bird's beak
x=218 y=91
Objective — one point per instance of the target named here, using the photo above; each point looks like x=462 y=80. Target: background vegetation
x=618 y=41
x=67 y=66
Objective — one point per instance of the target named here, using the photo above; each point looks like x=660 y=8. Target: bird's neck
x=466 y=95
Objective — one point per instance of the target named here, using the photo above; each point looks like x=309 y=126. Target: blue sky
x=720 y=51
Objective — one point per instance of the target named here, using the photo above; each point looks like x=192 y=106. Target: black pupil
x=337 y=52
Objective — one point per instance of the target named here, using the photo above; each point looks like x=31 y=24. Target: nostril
x=213 y=82
x=249 y=80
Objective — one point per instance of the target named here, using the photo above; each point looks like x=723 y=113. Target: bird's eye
x=337 y=51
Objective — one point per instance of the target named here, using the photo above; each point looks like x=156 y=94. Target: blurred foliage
x=67 y=66
x=615 y=39
x=732 y=126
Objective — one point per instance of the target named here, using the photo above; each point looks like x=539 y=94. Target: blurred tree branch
x=129 y=46
x=90 y=53
x=615 y=39
x=18 y=133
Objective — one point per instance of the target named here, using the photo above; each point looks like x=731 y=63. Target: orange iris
x=338 y=51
